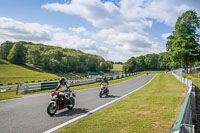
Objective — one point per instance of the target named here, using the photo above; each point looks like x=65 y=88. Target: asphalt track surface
x=29 y=114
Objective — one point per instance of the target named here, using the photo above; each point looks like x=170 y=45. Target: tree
x=141 y=65
x=183 y=43
x=130 y=65
x=17 y=54
x=5 y=49
x=34 y=57
x=151 y=61
x=164 y=61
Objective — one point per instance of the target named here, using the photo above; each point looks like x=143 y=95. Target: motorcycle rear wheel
x=51 y=110
x=107 y=93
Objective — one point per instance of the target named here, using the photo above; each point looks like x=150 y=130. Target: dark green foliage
x=130 y=65
x=105 y=66
x=17 y=54
x=5 y=49
x=183 y=43
x=148 y=62
x=56 y=59
x=151 y=61
x=141 y=65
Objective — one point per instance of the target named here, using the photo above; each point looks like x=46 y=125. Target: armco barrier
x=5 y=88
x=28 y=87
x=49 y=85
x=185 y=122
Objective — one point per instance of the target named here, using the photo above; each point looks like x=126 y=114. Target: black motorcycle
x=61 y=100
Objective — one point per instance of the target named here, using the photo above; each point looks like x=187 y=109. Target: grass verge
x=195 y=79
x=152 y=109
x=11 y=94
x=10 y=73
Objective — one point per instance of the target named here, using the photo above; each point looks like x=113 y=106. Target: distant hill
x=10 y=73
x=52 y=58
x=117 y=67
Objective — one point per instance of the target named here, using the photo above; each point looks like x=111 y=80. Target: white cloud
x=131 y=15
x=133 y=50
x=166 y=11
x=77 y=30
x=165 y=35
x=107 y=42
x=123 y=27
x=133 y=43
x=103 y=15
x=13 y=30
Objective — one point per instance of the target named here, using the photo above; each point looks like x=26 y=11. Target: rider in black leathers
x=64 y=85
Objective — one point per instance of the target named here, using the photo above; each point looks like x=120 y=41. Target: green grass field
x=152 y=109
x=195 y=79
x=117 y=67
x=10 y=73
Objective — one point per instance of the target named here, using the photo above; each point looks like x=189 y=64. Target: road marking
x=94 y=110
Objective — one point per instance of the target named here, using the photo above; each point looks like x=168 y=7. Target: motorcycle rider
x=147 y=73
x=64 y=85
x=105 y=82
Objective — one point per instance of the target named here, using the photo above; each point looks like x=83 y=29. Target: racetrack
x=28 y=114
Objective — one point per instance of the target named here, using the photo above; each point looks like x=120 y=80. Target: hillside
x=10 y=73
x=117 y=67
x=53 y=59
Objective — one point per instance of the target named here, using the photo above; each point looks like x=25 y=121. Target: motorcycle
x=61 y=100
x=104 y=91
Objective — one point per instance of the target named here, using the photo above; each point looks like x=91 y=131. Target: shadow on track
x=111 y=96
x=72 y=112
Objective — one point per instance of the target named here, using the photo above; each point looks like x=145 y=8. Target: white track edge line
x=94 y=110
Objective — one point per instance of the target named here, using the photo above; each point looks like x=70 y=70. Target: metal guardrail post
x=17 y=89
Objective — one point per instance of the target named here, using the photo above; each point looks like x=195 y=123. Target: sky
x=113 y=29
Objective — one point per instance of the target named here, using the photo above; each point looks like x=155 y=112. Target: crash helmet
x=62 y=81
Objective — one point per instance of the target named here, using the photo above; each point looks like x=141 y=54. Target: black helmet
x=62 y=81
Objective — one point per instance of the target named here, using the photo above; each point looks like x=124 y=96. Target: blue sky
x=114 y=29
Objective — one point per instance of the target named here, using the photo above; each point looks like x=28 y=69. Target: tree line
x=52 y=58
x=148 y=62
x=183 y=48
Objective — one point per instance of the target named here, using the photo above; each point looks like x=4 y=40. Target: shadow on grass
x=74 y=111
x=32 y=68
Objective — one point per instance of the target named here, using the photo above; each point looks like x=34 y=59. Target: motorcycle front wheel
x=51 y=109
x=100 y=94
x=72 y=103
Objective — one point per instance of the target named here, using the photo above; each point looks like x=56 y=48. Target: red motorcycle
x=104 y=91
x=61 y=100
